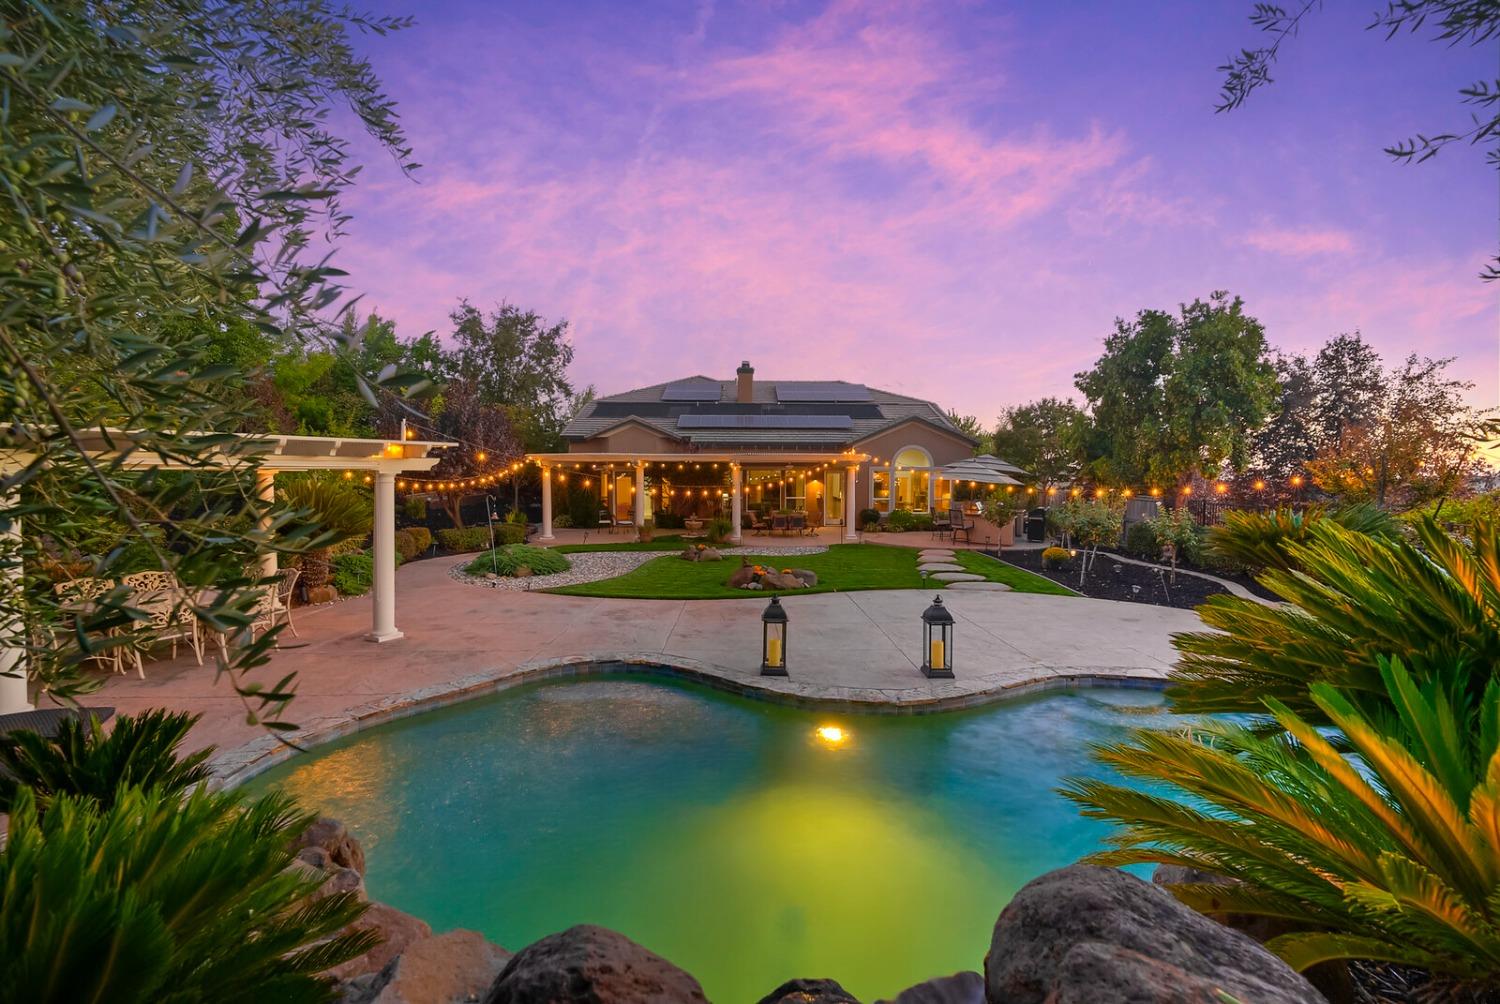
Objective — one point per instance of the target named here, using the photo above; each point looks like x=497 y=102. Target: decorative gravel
x=591 y=566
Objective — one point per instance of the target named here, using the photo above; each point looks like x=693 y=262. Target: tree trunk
x=316 y=568
x=453 y=506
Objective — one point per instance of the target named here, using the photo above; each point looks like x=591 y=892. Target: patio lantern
x=773 y=639
x=937 y=641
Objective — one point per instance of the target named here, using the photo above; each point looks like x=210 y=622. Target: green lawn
x=671 y=542
x=842 y=568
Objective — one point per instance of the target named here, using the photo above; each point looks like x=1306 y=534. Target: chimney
x=746 y=375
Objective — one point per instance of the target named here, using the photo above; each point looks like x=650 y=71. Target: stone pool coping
x=232 y=767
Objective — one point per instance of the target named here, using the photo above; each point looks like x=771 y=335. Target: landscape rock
x=782 y=580
x=591 y=965
x=335 y=878
x=808 y=576
x=450 y=968
x=960 y=988
x=321 y=594
x=333 y=837
x=741 y=577
x=1091 y=935
x=710 y=554
x=802 y=991
x=397 y=931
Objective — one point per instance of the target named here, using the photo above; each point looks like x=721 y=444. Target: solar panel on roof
x=764 y=422
x=691 y=392
x=822 y=392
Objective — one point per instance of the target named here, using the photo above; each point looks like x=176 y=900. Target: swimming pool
x=746 y=842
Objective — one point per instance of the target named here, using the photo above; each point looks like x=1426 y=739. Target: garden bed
x=1111 y=579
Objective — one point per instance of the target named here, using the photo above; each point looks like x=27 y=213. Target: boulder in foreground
x=1090 y=935
x=591 y=965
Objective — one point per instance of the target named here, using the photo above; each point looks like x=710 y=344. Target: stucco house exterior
x=827 y=448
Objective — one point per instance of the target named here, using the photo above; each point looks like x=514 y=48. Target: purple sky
x=948 y=200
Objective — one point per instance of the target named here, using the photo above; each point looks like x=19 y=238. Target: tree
x=142 y=185
x=1285 y=444
x=1176 y=396
x=1418 y=444
x=514 y=359
x=489 y=442
x=1043 y=438
x=970 y=426
x=1455 y=22
x=1348 y=386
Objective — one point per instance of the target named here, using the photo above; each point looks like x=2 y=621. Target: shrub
x=902 y=520
x=922 y=521
x=421 y=537
x=1353 y=600
x=474 y=538
x=1385 y=849
x=353 y=574
x=868 y=516
x=337 y=510
x=156 y=897
x=582 y=507
x=414 y=507
x=870 y=526
x=1141 y=541
x=81 y=759
x=1258 y=541
x=406 y=545
x=717 y=531
x=505 y=561
x=562 y=521
x=1178 y=528
x=1056 y=557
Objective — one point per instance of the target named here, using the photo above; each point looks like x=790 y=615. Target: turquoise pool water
x=729 y=835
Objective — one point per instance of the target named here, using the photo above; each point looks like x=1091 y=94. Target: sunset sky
x=948 y=200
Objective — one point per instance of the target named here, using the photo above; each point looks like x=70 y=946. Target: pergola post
x=546 y=503
x=384 y=626
x=13 y=692
x=736 y=479
x=265 y=490
x=640 y=494
x=851 y=485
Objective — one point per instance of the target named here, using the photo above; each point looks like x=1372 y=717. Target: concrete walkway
x=857 y=650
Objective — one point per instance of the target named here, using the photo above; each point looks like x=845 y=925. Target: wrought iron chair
x=162 y=596
x=79 y=598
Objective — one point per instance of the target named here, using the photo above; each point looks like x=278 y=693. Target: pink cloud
x=1301 y=243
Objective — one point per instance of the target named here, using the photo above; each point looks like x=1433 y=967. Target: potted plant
x=645 y=531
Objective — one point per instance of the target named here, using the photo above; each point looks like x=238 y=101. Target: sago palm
x=1353 y=599
x=331 y=512
x=81 y=759
x=164 y=900
x=1389 y=851
x=1260 y=540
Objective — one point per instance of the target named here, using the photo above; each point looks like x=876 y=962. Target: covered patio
x=376 y=461
x=742 y=478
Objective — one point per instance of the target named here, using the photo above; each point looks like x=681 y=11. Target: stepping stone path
x=987 y=587
x=939 y=566
x=959 y=577
x=935 y=555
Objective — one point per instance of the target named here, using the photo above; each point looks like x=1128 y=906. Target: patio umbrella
x=985 y=469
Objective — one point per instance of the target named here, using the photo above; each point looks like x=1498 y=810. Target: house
x=702 y=446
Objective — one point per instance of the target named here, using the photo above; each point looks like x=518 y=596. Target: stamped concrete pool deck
x=850 y=650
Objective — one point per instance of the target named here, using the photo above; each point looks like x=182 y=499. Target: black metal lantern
x=937 y=641
x=773 y=639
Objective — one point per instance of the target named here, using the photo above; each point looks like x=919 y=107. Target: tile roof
x=867 y=416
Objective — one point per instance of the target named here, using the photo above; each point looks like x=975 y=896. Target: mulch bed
x=1116 y=580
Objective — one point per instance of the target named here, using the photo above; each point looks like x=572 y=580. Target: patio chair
x=605 y=519
x=757 y=523
x=942 y=525
x=275 y=604
x=162 y=596
x=960 y=523
x=79 y=597
x=797 y=523
x=780 y=524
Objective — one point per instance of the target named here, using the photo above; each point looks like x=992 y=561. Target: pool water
x=746 y=842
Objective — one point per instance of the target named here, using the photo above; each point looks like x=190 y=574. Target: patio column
x=265 y=490
x=384 y=626
x=736 y=505
x=851 y=485
x=546 y=503
x=640 y=494
x=13 y=695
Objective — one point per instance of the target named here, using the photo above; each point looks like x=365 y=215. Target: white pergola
x=737 y=462
x=381 y=459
